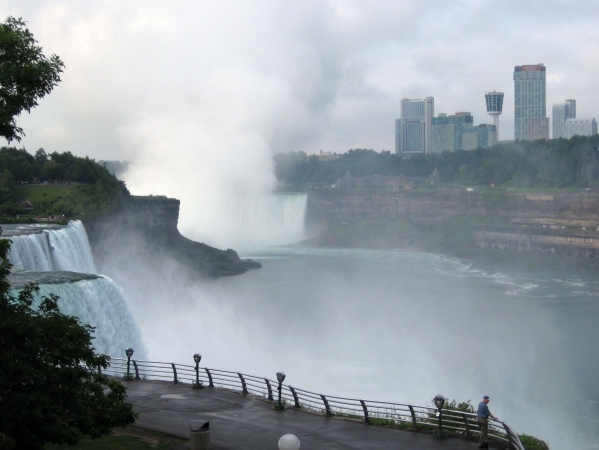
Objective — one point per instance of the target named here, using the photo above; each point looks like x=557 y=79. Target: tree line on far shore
x=557 y=163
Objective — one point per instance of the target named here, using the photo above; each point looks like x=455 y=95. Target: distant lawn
x=42 y=193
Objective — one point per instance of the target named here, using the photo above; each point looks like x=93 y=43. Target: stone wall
x=568 y=209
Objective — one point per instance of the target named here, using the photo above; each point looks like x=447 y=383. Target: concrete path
x=239 y=422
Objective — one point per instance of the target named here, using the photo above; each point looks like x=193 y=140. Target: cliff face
x=334 y=207
x=146 y=228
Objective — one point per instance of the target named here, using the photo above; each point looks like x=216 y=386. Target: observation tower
x=494 y=108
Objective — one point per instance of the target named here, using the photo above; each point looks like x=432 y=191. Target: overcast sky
x=228 y=83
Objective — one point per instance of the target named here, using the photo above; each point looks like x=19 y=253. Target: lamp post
x=439 y=402
x=280 y=379
x=197 y=358
x=129 y=353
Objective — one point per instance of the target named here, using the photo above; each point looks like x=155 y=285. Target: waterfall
x=31 y=252
x=64 y=248
x=275 y=219
x=101 y=303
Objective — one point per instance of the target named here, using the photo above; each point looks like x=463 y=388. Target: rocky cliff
x=568 y=209
x=145 y=228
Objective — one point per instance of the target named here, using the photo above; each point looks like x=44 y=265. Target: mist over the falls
x=385 y=325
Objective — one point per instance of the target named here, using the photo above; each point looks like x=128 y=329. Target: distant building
x=571 y=104
x=579 y=127
x=327 y=156
x=447 y=131
x=494 y=101
x=537 y=128
x=470 y=138
x=458 y=132
x=487 y=135
x=560 y=113
x=413 y=131
x=530 y=97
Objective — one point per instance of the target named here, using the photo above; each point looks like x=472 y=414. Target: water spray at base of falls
x=102 y=304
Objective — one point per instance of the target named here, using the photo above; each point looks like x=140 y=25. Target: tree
x=26 y=75
x=51 y=387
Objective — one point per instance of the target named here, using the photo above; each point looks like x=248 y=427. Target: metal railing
x=395 y=415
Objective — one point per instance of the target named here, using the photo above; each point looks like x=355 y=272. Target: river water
x=396 y=326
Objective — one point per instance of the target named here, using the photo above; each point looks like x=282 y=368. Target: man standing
x=483 y=415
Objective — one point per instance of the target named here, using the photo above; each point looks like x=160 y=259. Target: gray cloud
x=206 y=92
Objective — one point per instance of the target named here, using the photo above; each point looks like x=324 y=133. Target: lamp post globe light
x=198 y=384
x=129 y=353
x=289 y=442
x=280 y=379
x=439 y=402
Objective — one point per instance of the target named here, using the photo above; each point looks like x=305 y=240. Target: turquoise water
x=396 y=326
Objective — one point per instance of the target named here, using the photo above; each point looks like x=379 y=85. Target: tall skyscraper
x=413 y=131
x=558 y=117
x=560 y=113
x=447 y=131
x=530 y=97
x=571 y=104
x=494 y=102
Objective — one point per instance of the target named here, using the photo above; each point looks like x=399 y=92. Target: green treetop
x=26 y=75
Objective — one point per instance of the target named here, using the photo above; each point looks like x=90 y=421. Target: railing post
x=326 y=406
x=413 y=415
x=245 y=389
x=175 y=379
x=468 y=433
x=269 y=390
x=366 y=419
x=136 y=371
x=295 y=399
x=210 y=383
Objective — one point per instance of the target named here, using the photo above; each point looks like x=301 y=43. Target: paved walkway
x=239 y=422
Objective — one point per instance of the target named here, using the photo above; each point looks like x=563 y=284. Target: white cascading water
x=31 y=252
x=102 y=304
x=99 y=302
x=59 y=249
x=273 y=219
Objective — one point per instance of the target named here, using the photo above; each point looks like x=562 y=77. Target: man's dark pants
x=483 y=425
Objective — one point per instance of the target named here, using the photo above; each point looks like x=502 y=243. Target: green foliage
x=51 y=389
x=558 y=163
x=86 y=188
x=532 y=443
x=26 y=75
x=454 y=405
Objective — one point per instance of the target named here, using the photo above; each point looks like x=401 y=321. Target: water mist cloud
x=198 y=96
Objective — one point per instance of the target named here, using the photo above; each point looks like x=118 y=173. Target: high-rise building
x=571 y=104
x=580 y=127
x=487 y=135
x=558 y=117
x=494 y=102
x=537 y=128
x=413 y=131
x=447 y=131
x=457 y=132
x=530 y=97
x=560 y=113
